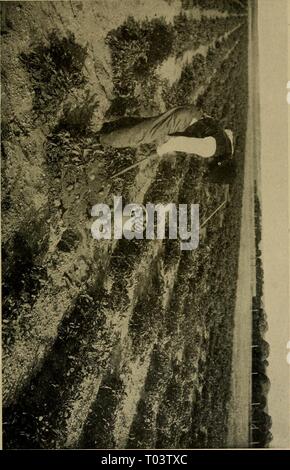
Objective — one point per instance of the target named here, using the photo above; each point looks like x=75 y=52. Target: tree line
x=261 y=421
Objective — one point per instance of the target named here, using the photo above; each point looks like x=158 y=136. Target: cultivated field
x=115 y=344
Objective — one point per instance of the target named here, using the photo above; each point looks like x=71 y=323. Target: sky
x=272 y=32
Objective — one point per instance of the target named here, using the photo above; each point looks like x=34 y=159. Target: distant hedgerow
x=137 y=48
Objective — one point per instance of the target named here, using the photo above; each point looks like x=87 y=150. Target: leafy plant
x=54 y=68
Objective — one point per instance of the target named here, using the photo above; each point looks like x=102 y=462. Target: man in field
x=182 y=129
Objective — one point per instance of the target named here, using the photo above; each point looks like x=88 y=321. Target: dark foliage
x=54 y=68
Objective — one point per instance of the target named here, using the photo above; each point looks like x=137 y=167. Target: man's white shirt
x=204 y=147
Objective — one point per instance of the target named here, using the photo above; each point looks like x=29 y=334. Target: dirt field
x=114 y=344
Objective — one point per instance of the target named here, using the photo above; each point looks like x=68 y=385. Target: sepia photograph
x=144 y=197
